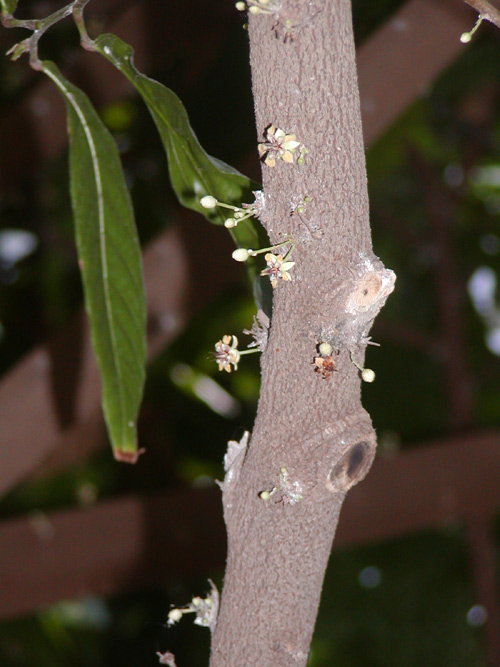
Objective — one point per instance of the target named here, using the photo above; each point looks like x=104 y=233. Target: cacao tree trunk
x=312 y=439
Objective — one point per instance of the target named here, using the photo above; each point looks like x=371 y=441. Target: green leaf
x=110 y=260
x=193 y=172
x=8 y=6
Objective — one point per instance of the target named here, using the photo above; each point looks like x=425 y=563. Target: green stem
x=276 y=245
x=255 y=349
x=358 y=366
x=85 y=41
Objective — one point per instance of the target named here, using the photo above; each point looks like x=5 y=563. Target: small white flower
x=227 y=353
x=277 y=268
x=278 y=145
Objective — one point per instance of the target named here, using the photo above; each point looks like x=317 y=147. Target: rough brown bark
x=316 y=428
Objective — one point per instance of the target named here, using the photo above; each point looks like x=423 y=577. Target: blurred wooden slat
x=427 y=486
x=122 y=544
x=401 y=60
x=114 y=546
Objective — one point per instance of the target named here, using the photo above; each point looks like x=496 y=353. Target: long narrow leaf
x=110 y=260
x=193 y=172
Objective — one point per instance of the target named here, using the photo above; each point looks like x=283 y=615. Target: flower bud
x=174 y=615
x=208 y=201
x=241 y=254
x=368 y=375
x=229 y=223
x=325 y=349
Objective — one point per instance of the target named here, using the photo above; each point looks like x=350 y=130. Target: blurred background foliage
x=405 y=602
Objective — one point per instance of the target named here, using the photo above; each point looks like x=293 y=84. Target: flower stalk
x=367 y=374
x=240 y=212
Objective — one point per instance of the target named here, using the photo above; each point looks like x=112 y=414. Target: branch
x=39 y=27
x=311 y=440
x=486 y=11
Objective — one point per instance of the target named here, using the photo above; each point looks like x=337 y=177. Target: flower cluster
x=291 y=492
x=277 y=265
x=280 y=146
x=240 y=213
x=300 y=206
x=204 y=608
x=324 y=362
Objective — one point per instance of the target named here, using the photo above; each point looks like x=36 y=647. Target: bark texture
x=304 y=82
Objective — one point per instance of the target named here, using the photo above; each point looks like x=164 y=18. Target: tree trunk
x=304 y=82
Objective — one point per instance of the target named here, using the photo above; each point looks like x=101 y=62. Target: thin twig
x=40 y=26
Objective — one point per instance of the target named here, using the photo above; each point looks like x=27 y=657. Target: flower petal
x=291 y=145
x=287 y=265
